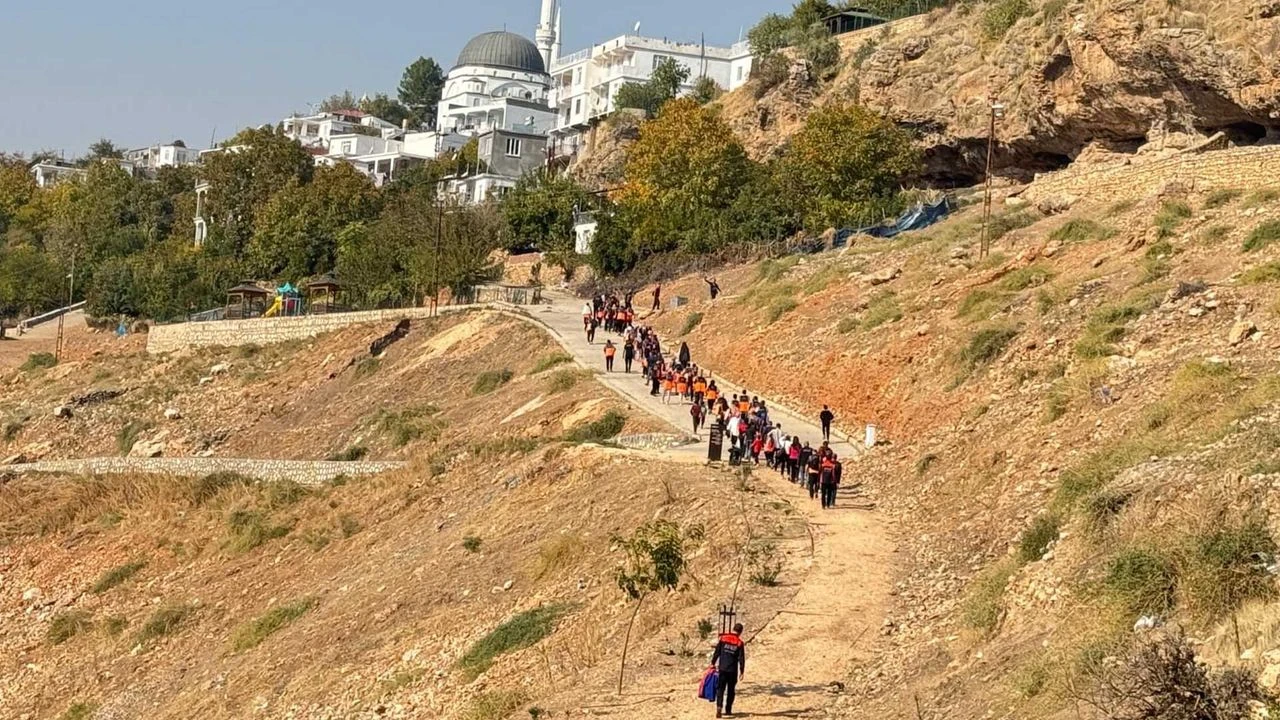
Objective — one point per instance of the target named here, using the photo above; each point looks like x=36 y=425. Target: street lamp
x=997 y=111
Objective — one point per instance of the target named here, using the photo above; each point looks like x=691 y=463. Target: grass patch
x=1219 y=198
x=563 y=381
x=210 y=486
x=116 y=625
x=502 y=447
x=1142 y=582
x=522 y=631
x=79 y=711
x=38 y=361
x=925 y=463
x=1260 y=198
x=546 y=362
x=1226 y=567
x=117 y=576
x=558 y=554
x=1036 y=540
x=1097 y=470
x=1171 y=216
x=66 y=625
x=164 y=621
x=471 y=544
x=355 y=453
x=781 y=307
x=255 y=632
x=495 y=705
x=1056 y=404
x=1027 y=277
x=491 y=380
x=1108 y=326
x=1121 y=207
x=984 y=607
x=128 y=435
x=1262 y=274
x=985 y=346
x=598 y=431
x=981 y=304
x=1103 y=507
x=1078 y=231
x=411 y=424
x=691 y=323
x=1262 y=236
x=250 y=529
x=1002 y=15
x=1215 y=233
x=367 y=367
x=349 y=526
x=883 y=308
x=847 y=325
x=822 y=279
x=1002 y=225
x=773 y=270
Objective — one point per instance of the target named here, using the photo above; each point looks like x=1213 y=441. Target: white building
x=318 y=130
x=499 y=82
x=51 y=172
x=158 y=156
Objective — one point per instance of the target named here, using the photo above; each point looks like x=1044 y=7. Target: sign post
x=715 y=449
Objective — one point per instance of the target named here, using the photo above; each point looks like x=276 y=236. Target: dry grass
x=495 y=705
x=558 y=554
x=984 y=607
x=164 y=621
x=68 y=624
x=117 y=576
x=255 y=632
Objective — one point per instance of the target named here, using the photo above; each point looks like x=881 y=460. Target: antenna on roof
x=637 y=28
x=213 y=134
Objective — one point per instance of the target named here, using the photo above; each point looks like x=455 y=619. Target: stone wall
x=265 y=331
x=306 y=472
x=1246 y=168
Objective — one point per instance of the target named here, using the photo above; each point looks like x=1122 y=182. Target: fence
x=49 y=316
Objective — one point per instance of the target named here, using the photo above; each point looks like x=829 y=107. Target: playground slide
x=275 y=308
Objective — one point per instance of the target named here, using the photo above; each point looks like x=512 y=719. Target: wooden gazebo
x=246 y=300
x=324 y=295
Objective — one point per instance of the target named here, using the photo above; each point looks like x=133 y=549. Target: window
x=657 y=60
x=486 y=147
x=739 y=72
x=513 y=147
x=348 y=146
x=577 y=106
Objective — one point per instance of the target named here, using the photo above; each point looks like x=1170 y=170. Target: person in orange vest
x=730 y=662
x=682 y=385
x=610 y=350
x=699 y=390
x=828 y=468
x=713 y=394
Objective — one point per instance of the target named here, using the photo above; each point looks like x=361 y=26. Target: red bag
x=707 y=688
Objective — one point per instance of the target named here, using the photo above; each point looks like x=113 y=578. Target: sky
x=148 y=71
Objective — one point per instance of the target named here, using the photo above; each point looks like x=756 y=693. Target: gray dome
x=504 y=50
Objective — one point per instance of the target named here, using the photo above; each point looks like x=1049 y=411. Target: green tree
x=654 y=559
x=344 y=100
x=296 y=233
x=810 y=12
x=252 y=167
x=769 y=35
x=389 y=109
x=16 y=188
x=420 y=88
x=846 y=163
x=104 y=148
x=685 y=163
x=30 y=282
x=539 y=213
x=661 y=87
x=706 y=90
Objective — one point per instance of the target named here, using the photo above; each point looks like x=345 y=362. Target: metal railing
x=43 y=318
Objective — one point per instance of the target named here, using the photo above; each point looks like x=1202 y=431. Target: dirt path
x=15 y=350
x=794 y=660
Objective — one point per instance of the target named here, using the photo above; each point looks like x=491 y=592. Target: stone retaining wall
x=654 y=441
x=1246 y=168
x=306 y=472
x=266 y=331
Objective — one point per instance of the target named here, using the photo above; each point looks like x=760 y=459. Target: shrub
x=1036 y=540
x=1107 y=326
x=1078 y=231
x=1215 y=233
x=763 y=564
x=1261 y=274
x=1092 y=474
x=1172 y=214
x=164 y=622
x=251 y=635
x=1142 y=582
x=985 y=346
x=471 y=544
x=355 y=453
x=1002 y=225
x=772 y=270
x=1056 y=405
x=1218 y=198
x=691 y=323
x=1001 y=15
x=1262 y=236
x=882 y=309
x=79 y=711
x=781 y=307
x=128 y=435
x=251 y=529
x=209 y=486
x=489 y=381
x=116 y=625
x=1260 y=198
x=117 y=576
x=367 y=367
x=38 y=361
x=705 y=628
x=1102 y=507
x=984 y=606
x=349 y=526
x=558 y=554
x=981 y=304
x=847 y=325
x=495 y=705
x=412 y=424
x=562 y=381
x=66 y=625
x=598 y=431
x=522 y=631
x=1023 y=278
x=546 y=362
x=1228 y=566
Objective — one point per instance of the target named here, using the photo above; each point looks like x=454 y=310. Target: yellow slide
x=275 y=307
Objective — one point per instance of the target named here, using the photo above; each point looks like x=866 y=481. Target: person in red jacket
x=730 y=661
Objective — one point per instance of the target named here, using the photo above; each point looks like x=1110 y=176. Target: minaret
x=546 y=35
x=555 y=46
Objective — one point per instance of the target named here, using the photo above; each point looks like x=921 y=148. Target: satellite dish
x=637 y=28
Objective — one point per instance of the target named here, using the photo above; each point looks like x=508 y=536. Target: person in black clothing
x=657 y=298
x=628 y=354
x=730 y=661
x=827 y=417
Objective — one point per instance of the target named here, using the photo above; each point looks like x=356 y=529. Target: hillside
x=1069 y=427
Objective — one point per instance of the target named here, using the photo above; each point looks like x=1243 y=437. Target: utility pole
x=71 y=291
x=435 y=261
x=997 y=111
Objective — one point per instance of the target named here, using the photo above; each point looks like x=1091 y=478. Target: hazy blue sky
x=146 y=71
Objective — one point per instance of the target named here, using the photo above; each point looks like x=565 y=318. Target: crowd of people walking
x=751 y=435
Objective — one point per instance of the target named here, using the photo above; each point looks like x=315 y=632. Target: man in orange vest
x=730 y=661
x=610 y=350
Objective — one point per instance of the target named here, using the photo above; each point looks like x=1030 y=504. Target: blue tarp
x=917 y=218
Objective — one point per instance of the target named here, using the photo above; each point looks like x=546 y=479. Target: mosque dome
x=502 y=50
